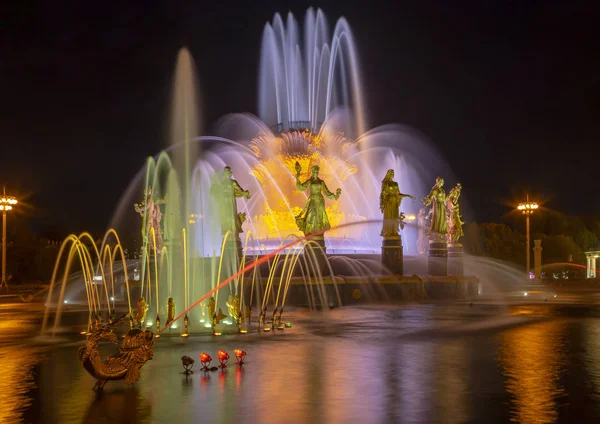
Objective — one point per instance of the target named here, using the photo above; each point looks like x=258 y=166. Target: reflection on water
x=414 y=361
x=532 y=359
x=361 y=365
x=124 y=406
x=592 y=357
x=16 y=364
x=451 y=376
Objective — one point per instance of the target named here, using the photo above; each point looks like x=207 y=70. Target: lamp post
x=527 y=208
x=6 y=204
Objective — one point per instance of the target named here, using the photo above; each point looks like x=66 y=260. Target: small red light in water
x=240 y=355
x=223 y=358
x=205 y=359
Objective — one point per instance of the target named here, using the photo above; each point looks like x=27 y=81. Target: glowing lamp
x=223 y=358
x=205 y=360
x=187 y=363
x=410 y=217
x=240 y=355
x=528 y=207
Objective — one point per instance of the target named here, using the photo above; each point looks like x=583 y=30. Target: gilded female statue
x=455 y=222
x=225 y=191
x=437 y=199
x=150 y=207
x=423 y=230
x=313 y=218
x=389 y=203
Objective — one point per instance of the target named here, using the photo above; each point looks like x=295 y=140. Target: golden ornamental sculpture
x=225 y=190
x=151 y=214
x=235 y=311
x=170 y=310
x=313 y=218
x=437 y=200
x=455 y=223
x=390 y=200
x=135 y=351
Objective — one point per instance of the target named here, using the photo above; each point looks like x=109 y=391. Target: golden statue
x=135 y=351
x=142 y=308
x=423 y=225
x=225 y=190
x=437 y=199
x=313 y=218
x=211 y=308
x=150 y=209
x=170 y=311
x=455 y=223
x=389 y=203
x=233 y=306
x=235 y=310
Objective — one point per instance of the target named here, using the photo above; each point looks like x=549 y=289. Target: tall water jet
x=184 y=127
x=169 y=180
x=184 y=122
x=303 y=79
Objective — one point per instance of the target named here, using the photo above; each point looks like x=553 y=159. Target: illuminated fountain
x=311 y=112
x=310 y=107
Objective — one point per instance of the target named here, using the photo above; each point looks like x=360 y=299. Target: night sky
x=508 y=91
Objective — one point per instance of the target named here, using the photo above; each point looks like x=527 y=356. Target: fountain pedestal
x=316 y=253
x=455 y=259
x=437 y=263
x=392 y=256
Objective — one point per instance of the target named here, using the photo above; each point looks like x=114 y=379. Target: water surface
x=430 y=363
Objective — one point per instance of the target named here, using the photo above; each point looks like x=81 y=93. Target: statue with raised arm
x=455 y=223
x=149 y=209
x=437 y=200
x=313 y=218
x=225 y=190
x=389 y=203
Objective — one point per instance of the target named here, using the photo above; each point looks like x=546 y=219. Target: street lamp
x=527 y=208
x=6 y=204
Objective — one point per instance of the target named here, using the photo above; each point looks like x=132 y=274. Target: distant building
x=592 y=257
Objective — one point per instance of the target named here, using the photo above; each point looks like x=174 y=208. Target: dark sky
x=508 y=91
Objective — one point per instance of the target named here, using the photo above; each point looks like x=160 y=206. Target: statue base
x=455 y=259
x=316 y=253
x=392 y=256
x=437 y=263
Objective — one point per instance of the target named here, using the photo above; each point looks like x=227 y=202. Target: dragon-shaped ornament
x=135 y=351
